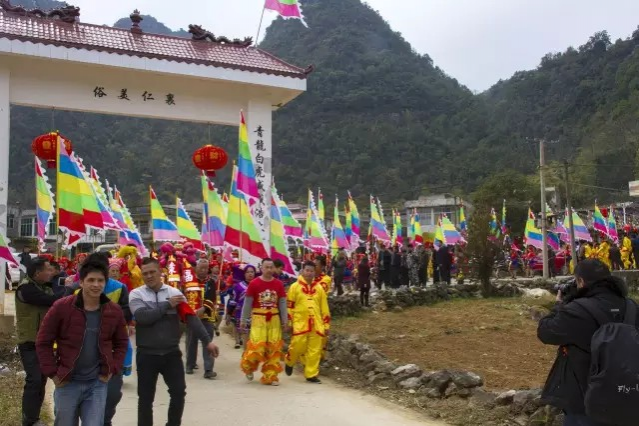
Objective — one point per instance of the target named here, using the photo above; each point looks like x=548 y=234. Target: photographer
x=571 y=325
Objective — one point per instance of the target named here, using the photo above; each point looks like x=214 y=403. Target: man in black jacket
x=571 y=327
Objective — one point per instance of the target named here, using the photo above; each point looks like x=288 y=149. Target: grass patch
x=10 y=385
x=495 y=338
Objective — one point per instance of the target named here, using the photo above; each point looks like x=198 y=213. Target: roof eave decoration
x=200 y=34
x=68 y=14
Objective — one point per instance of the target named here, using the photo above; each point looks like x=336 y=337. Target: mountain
x=151 y=25
x=379 y=118
x=586 y=99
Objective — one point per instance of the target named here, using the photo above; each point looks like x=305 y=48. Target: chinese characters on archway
x=145 y=96
x=260 y=176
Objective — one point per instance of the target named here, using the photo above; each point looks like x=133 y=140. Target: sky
x=477 y=42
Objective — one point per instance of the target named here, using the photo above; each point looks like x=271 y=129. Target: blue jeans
x=80 y=399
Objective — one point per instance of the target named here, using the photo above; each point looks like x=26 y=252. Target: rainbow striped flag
x=581 y=231
x=316 y=235
x=504 y=228
x=321 y=213
x=410 y=230
x=279 y=243
x=348 y=224
x=532 y=234
x=355 y=221
x=45 y=205
x=129 y=233
x=163 y=228
x=292 y=228
x=553 y=240
x=103 y=202
x=287 y=9
x=5 y=253
x=78 y=207
x=397 y=229
x=417 y=228
x=494 y=225
x=440 y=239
x=241 y=232
x=451 y=234
x=185 y=226
x=599 y=221
x=463 y=225
x=246 y=181
x=216 y=213
x=339 y=236
x=612 y=226
x=377 y=227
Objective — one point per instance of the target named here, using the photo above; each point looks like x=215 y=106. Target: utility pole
x=573 y=245
x=542 y=182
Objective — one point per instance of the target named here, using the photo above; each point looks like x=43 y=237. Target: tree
x=482 y=251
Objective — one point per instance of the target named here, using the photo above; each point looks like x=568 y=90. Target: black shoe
x=210 y=375
x=314 y=380
x=237 y=346
x=289 y=370
x=189 y=371
x=195 y=367
x=217 y=333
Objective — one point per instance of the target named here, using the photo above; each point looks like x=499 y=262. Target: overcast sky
x=476 y=41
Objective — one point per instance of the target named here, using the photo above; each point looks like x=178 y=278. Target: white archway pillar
x=4 y=166
x=259 y=121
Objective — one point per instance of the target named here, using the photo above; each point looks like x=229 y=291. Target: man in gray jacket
x=157 y=309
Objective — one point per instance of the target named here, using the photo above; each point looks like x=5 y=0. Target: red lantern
x=210 y=158
x=45 y=147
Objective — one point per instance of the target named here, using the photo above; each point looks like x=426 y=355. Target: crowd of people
x=74 y=326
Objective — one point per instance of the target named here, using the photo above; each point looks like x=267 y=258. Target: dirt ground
x=495 y=338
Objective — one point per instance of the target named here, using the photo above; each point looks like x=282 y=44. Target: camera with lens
x=567 y=288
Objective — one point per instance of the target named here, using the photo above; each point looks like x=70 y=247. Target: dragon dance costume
x=310 y=318
x=265 y=304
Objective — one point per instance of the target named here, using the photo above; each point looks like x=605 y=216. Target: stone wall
x=406 y=297
x=524 y=406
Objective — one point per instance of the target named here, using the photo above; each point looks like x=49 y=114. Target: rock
x=521 y=420
x=412 y=391
x=406 y=372
x=398 y=309
x=543 y=416
x=505 y=398
x=361 y=347
x=536 y=293
x=385 y=367
x=4 y=370
x=526 y=401
x=482 y=397
x=451 y=390
x=370 y=374
x=466 y=379
x=411 y=383
x=378 y=378
x=437 y=379
x=433 y=393
x=369 y=357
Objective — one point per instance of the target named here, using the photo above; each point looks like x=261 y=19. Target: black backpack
x=612 y=396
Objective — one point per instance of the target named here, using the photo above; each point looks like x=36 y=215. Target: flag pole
x=57 y=201
x=259 y=28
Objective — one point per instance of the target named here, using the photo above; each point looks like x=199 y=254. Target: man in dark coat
x=571 y=327
x=444 y=263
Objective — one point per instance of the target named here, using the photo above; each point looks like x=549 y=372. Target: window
x=52 y=228
x=143 y=227
x=10 y=221
x=26 y=227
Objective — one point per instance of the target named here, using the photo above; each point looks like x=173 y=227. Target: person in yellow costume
x=131 y=273
x=265 y=305
x=310 y=319
x=626 y=253
x=603 y=254
x=325 y=281
x=320 y=275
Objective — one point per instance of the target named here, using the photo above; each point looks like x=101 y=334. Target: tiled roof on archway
x=78 y=35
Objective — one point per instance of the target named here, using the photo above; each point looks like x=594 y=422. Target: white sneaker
x=275 y=383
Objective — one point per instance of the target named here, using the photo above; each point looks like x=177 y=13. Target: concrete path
x=231 y=399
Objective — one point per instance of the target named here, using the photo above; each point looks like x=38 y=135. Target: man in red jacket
x=91 y=337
